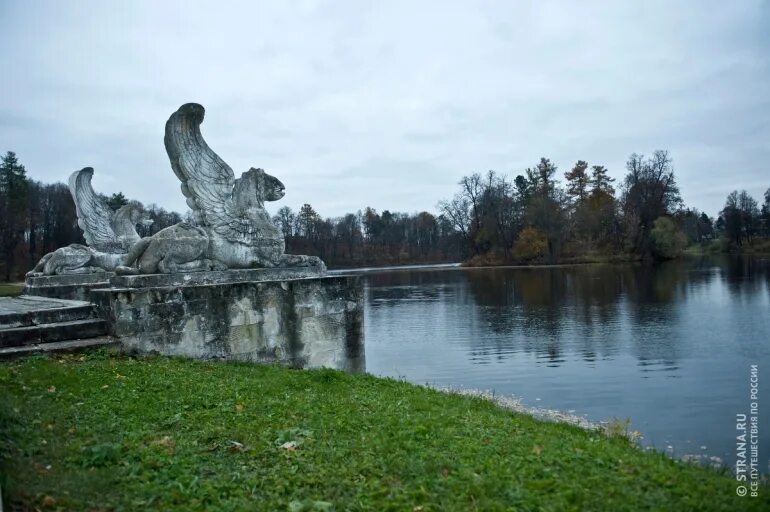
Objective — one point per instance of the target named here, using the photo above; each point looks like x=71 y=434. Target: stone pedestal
x=68 y=286
x=265 y=315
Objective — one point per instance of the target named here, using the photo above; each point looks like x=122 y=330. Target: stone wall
x=310 y=322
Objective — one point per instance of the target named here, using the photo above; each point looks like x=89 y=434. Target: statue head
x=137 y=214
x=128 y=217
x=257 y=184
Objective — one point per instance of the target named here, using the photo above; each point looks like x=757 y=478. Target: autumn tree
x=649 y=191
x=740 y=218
x=545 y=205
x=765 y=215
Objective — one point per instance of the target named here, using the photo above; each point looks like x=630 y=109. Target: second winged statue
x=108 y=234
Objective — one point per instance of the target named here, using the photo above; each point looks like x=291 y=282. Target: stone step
x=57 y=347
x=47 y=316
x=68 y=286
x=46 y=333
x=26 y=310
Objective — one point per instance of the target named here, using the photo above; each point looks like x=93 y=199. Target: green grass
x=102 y=432
x=722 y=246
x=11 y=289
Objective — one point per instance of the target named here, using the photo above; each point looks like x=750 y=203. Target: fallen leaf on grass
x=51 y=389
x=292 y=438
x=537 y=449
x=165 y=441
x=42 y=470
x=48 y=501
x=235 y=447
x=238 y=407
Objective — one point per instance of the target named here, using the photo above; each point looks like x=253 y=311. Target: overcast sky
x=388 y=104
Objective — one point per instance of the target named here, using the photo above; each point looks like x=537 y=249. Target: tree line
x=492 y=219
x=534 y=218
x=369 y=237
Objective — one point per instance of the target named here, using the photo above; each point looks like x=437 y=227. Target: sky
x=388 y=104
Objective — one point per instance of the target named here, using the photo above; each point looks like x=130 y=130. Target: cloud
x=388 y=104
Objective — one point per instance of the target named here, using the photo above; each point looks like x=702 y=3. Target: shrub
x=531 y=244
x=667 y=240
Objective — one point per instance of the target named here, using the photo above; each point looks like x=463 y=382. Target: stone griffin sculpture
x=232 y=229
x=109 y=234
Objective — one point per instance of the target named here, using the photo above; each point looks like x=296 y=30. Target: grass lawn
x=11 y=289
x=103 y=432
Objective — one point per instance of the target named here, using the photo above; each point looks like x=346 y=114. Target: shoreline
x=609 y=428
x=511 y=403
x=464 y=266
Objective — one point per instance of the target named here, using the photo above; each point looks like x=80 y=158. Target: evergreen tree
x=117 y=200
x=13 y=224
x=307 y=222
x=545 y=210
x=577 y=181
x=600 y=181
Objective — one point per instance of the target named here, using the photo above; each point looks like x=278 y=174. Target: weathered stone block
x=308 y=322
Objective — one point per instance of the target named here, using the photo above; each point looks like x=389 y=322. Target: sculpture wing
x=207 y=181
x=94 y=214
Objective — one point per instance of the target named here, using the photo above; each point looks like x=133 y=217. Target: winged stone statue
x=108 y=234
x=232 y=229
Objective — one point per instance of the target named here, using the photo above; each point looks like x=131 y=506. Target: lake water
x=668 y=346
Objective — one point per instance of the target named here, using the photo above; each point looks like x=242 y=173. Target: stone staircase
x=31 y=324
